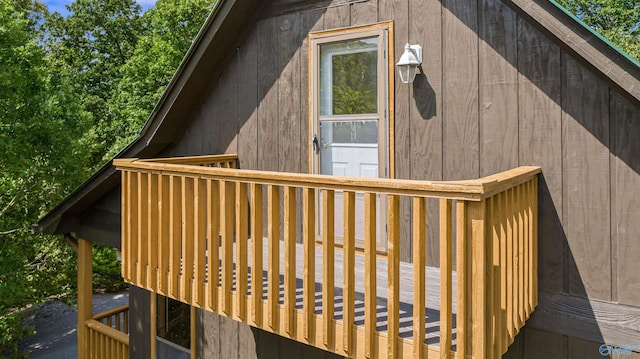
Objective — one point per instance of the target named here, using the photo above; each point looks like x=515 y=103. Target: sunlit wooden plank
x=521 y=261
x=143 y=235
x=289 y=259
x=152 y=229
x=127 y=233
x=419 y=263
x=186 y=280
x=227 y=203
x=175 y=230
x=200 y=235
x=393 y=256
x=164 y=195
x=510 y=266
x=213 y=242
x=446 y=240
x=273 y=228
x=328 y=242
x=256 y=253
x=480 y=253
x=534 y=260
x=309 y=279
x=462 y=292
x=349 y=284
x=501 y=208
x=242 y=238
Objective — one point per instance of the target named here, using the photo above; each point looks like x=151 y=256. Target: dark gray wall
x=220 y=337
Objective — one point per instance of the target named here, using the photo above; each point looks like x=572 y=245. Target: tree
x=616 y=20
x=170 y=29
x=33 y=173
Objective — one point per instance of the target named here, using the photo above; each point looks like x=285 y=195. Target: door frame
x=386 y=120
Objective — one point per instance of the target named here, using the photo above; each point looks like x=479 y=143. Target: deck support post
x=85 y=295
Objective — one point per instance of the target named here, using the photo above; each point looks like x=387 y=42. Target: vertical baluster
x=143 y=207
x=213 y=242
x=133 y=223
x=419 y=242
x=492 y=285
x=520 y=255
x=227 y=202
x=176 y=235
x=526 y=202
x=370 y=289
x=501 y=204
x=273 y=228
x=510 y=262
x=534 y=259
x=152 y=229
x=393 y=298
x=165 y=233
x=348 y=295
x=200 y=235
x=126 y=321
x=126 y=225
x=257 y=284
x=445 y=277
x=186 y=281
x=242 y=237
x=309 y=240
x=290 y=259
x=328 y=241
x=462 y=261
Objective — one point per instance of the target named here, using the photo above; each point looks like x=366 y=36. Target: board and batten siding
x=497 y=92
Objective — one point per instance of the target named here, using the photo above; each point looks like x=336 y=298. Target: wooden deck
x=186 y=229
x=432 y=318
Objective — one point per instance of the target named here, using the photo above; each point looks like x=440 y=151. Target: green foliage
x=169 y=30
x=616 y=20
x=73 y=91
x=355 y=83
x=106 y=270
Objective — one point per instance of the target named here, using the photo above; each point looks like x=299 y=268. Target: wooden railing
x=108 y=334
x=186 y=235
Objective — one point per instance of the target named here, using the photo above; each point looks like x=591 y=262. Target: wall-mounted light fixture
x=409 y=62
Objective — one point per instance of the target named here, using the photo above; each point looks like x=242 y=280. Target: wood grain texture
x=268 y=94
x=625 y=182
x=398 y=10
x=228 y=336
x=337 y=17
x=539 y=112
x=289 y=40
x=460 y=91
x=309 y=21
x=248 y=101
x=586 y=203
x=425 y=109
x=364 y=13
x=498 y=87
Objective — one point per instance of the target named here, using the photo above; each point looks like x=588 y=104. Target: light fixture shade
x=409 y=62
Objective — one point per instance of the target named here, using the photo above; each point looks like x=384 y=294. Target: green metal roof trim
x=594 y=32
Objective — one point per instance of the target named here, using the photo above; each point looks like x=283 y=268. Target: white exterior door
x=349 y=122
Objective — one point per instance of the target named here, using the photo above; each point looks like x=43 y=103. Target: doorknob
x=324 y=145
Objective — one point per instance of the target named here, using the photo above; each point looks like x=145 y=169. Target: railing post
x=480 y=277
x=85 y=295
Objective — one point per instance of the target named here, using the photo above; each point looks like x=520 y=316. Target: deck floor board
x=432 y=326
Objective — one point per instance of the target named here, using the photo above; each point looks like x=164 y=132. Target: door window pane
x=349 y=77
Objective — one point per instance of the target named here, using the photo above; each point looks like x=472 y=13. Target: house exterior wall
x=497 y=93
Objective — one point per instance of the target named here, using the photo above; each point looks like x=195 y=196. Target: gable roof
x=225 y=28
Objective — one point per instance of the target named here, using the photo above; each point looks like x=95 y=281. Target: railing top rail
x=108 y=331
x=471 y=190
x=110 y=312
x=194 y=160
